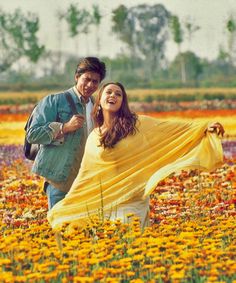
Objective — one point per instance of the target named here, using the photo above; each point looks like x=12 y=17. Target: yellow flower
x=136 y=281
x=160 y=269
x=20 y=278
x=130 y=273
x=139 y=257
x=212 y=279
x=80 y=279
x=177 y=275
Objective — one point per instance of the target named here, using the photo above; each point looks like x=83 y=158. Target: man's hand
x=75 y=123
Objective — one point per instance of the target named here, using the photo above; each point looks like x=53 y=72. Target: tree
x=177 y=31
x=151 y=24
x=78 y=22
x=59 y=16
x=177 y=34
x=193 y=66
x=123 y=26
x=144 y=29
x=96 y=20
x=191 y=28
x=231 y=27
x=18 y=38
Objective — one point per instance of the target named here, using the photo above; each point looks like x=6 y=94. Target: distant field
x=134 y=94
x=23 y=94
x=229 y=92
x=12 y=125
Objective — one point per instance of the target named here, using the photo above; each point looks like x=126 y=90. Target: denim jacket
x=55 y=157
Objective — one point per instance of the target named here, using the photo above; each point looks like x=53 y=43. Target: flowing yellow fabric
x=109 y=177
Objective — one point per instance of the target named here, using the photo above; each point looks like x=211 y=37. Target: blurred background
x=145 y=44
x=173 y=56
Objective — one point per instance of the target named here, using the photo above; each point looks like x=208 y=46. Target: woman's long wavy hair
x=124 y=123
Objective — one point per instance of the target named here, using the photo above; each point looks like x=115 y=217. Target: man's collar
x=81 y=98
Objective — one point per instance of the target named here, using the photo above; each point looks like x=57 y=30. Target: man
x=61 y=134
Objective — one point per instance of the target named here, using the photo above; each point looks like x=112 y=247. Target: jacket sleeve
x=45 y=113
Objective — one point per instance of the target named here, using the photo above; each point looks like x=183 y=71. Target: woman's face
x=111 y=98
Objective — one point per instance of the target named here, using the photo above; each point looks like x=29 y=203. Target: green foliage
x=177 y=33
x=144 y=29
x=128 y=70
x=20 y=77
x=191 y=28
x=131 y=72
x=18 y=38
x=219 y=72
x=123 y=25
x=96 y=20
x=193 y=67
x=96 y=16
x=231 y=25
x=223 y=55
x=184 y=97
x=214 y=96
x=78 y=20
x=175 y=27
x=149 y=98
x=151 y=31
x=18 y=101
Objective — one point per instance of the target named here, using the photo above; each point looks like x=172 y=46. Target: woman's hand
x=216 y=127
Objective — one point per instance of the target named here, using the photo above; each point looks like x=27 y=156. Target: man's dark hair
x=91 y=64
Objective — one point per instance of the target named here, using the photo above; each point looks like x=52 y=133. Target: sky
x=210 y=15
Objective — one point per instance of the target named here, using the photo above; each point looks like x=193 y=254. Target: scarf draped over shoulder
x=109 y=177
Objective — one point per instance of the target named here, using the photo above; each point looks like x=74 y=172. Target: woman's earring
x=99 y=110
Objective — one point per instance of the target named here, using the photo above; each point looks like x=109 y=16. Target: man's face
x=87 y=83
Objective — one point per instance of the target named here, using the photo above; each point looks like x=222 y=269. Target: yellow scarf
x=135 y=165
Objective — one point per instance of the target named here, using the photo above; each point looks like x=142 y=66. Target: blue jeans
x=54 y=195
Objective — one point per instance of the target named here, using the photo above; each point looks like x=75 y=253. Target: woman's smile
x=111 y=99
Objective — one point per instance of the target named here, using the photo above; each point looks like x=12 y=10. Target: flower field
x=192 y=237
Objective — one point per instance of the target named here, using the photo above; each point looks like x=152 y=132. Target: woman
x=127 y=155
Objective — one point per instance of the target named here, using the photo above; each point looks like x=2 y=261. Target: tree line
x=144 y=31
